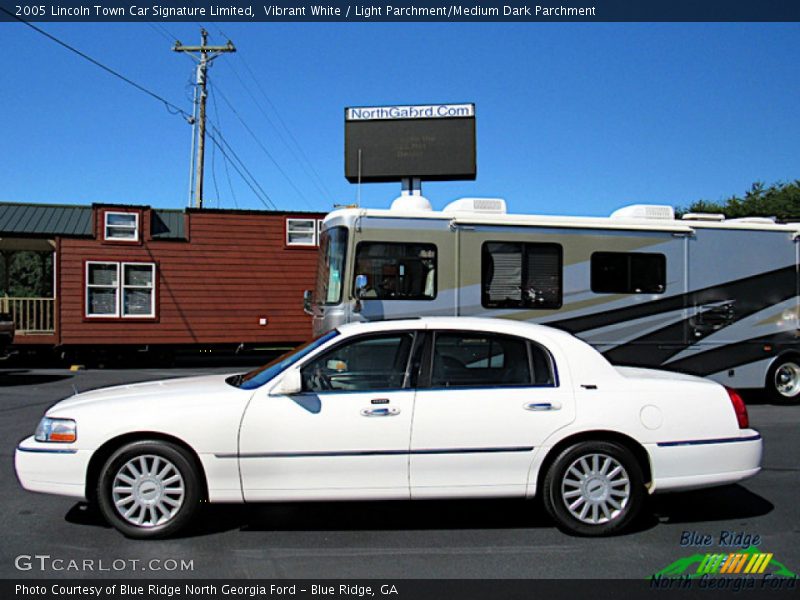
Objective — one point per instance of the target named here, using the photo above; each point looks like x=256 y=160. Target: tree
x=25 y=274
x=780 y=200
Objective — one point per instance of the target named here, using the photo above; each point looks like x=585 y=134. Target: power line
x=214 y=172
x=263 y=196
x=261 y=144
x=159 y=31
x=224 y=158
x=173 y=38
x=173 y=109
x=316 y=177
x=303 y=159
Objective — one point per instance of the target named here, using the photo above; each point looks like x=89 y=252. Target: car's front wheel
x=594 y=488
x=149 y=489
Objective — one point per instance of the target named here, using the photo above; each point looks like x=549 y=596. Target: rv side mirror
x=308 y=301
x=290 y=383
x=361 y=285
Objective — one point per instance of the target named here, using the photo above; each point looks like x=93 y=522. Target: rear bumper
x=688 y=464
x=51 y=468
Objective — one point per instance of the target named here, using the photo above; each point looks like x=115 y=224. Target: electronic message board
x=433 y=142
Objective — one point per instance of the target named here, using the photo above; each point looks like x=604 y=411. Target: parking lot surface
x=432 y=539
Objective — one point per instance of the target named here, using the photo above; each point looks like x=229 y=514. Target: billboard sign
x=432 y=142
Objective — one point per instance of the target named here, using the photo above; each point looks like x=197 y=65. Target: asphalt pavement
x=50 y=536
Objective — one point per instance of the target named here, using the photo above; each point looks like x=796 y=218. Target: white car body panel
x=320 y=446
x=203 y=412
x=287 y=448
x=497 y=434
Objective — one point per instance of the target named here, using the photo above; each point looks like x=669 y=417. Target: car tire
x=594 y=488
x=783 y=380
x=149 y=489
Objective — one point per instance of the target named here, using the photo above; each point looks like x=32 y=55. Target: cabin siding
x=211 y=288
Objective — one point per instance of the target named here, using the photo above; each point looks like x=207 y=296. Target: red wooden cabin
x=135 y=275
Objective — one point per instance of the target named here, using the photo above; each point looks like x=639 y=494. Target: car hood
x=166 y=390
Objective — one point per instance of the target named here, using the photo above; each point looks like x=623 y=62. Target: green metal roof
x=167 y=225
x=45 y=219
x=65 y=220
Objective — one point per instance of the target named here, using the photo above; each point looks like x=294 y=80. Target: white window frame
x=134 y=228
x=89 y=286
x=119 y=290
x=123 y=286
x=319 y=230
x=314 y=231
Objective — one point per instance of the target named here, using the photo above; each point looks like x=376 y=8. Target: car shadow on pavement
x=723 y=503
x=18 y=377
x=730 y=502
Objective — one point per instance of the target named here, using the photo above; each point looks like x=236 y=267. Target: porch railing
x=31 y=315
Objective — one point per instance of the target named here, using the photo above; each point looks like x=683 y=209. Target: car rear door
x=484 y=404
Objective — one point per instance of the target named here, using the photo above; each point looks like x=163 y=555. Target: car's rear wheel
x=149 y=489
x=783 y=380
x=594 y=488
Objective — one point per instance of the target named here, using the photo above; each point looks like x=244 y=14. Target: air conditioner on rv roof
x=659 y=212
x=486 y=206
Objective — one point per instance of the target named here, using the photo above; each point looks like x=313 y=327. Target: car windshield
x=260 y=376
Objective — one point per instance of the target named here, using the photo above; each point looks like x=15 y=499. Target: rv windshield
x=330 y=268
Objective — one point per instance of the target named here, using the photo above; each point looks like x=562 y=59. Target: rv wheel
x=783 y=380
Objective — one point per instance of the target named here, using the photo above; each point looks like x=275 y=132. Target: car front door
x=346 y=435
x=484 y=404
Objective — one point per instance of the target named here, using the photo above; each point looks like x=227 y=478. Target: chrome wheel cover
x=148 y=491
x=787 y=379
x=595 y=488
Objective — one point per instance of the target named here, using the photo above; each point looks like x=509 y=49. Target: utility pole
x=203 y=54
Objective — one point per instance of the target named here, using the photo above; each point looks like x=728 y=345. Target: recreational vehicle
x=702 y=294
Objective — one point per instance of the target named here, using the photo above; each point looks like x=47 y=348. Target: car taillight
x=739 y=408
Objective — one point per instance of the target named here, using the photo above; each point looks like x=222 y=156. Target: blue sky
x=571 y=118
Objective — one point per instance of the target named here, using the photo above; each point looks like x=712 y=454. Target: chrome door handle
x=540 y=406
x=386 y=411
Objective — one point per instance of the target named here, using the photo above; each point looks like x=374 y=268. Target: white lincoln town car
x=422 y=408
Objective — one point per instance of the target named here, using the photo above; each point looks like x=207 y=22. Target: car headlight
x=56 y=430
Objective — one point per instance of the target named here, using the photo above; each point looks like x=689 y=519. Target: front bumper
x=689 y=464
x=51 y=468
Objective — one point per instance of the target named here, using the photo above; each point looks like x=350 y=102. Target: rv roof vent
x=645 y=211
x=487 y=206
x=754 y=220
x=411 y=203
x=703 y=217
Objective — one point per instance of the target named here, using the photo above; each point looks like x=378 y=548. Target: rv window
x=517 y=275
x=628 y=273
x=397 y=271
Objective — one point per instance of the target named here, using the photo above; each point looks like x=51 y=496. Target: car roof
x=507 y=326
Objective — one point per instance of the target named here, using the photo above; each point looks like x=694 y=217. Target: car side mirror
x=290 y=383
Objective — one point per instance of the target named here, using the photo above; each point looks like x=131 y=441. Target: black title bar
x=510 y=11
